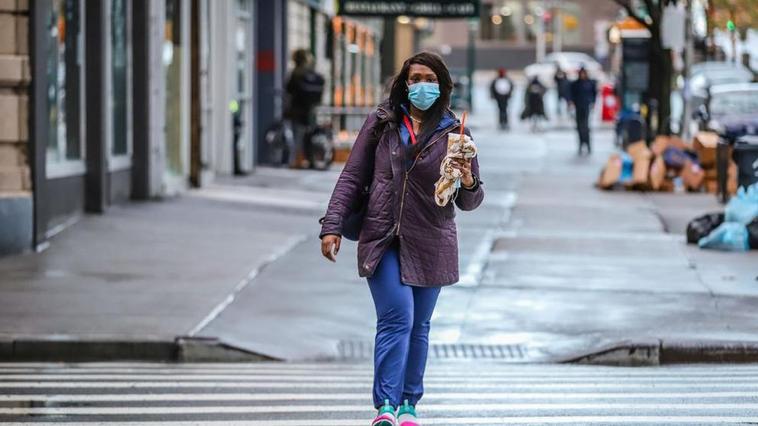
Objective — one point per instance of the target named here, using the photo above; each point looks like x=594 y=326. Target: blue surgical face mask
x=423 y=95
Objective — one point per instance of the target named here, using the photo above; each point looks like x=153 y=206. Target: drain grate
x=352 y=350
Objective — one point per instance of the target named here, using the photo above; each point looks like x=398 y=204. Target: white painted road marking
x=276 y=394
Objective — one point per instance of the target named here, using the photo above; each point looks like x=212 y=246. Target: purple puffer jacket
x=401 y=203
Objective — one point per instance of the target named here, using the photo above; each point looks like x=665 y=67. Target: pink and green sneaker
x=385 y=416
x=406 y=415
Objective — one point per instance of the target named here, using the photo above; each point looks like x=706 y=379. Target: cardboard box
x=659 y=145
x=640 y=172
x=732 y=182
x=679 y=143
x=667 y=185
x=611 y=173
x=638 y=149
x=657 y=173
x=711 y=186
x=692 y=176
x=705 y=146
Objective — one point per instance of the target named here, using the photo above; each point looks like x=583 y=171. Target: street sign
x=422 y=8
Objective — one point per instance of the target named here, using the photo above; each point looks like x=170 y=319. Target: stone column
x=15 y=179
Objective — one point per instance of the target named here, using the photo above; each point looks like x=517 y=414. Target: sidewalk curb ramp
x=667 y=352
x=646 y=352
x=72 y=349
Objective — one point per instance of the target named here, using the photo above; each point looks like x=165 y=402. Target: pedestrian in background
x=563 y=88
x=500 y=90
x=534 y=104
x=583 y=94
x=305 y=89
x=407 y=245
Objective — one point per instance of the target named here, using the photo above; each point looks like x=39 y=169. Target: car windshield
x=568 y=58
x=742 y=103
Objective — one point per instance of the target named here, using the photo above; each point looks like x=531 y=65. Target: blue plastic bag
x=743 y=207
x=731 y=236
x=627 y=168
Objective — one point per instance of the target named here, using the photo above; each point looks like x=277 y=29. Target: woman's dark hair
x=399 y=90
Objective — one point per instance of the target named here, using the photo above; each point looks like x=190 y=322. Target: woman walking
x=407 y=245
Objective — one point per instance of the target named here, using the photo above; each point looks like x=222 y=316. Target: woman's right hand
x=330 y=246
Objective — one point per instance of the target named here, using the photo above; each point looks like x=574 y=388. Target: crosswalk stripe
x=329 y=385
x=430 y=378
x=655 y=420
x=361 y=396
x=482 y=365
x=503 y=407
x=368 y=371
x=339 y=394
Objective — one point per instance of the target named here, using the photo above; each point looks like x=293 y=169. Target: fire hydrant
x=610 y=104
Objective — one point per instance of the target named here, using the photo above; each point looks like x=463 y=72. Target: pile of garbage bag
x=736 y=229
x=669 y=163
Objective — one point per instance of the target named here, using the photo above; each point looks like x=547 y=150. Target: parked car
x=704 y=76
x=708 y=74
x=731 y=110
x=570 y=62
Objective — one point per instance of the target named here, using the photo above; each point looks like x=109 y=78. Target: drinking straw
x=463 y=123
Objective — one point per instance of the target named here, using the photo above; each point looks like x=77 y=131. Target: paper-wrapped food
x=458 y=146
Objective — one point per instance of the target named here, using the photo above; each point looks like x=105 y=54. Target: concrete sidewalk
x=550 y=266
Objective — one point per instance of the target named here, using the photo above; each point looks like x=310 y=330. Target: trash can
x=745 y=154
x=722 y=168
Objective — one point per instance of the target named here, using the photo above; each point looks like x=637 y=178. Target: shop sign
x=427 y=9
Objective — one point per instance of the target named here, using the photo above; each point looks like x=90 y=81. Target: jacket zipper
x=405 y=179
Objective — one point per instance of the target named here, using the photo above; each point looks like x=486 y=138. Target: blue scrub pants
x=403 y=314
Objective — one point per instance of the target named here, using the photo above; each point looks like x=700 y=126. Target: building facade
x=106 y=101
x=16 y=206
x=508 y=31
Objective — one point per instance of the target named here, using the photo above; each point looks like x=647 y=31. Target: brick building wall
x=15 y=176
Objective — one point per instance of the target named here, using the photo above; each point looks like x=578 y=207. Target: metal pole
x=557 y=27
x=471 y=61
x=689 y=51
x=540 y=21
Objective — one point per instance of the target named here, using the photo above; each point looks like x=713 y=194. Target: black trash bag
x=752 y=234
x=702 y=226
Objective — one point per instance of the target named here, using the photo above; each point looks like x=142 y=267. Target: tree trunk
x=659 y=84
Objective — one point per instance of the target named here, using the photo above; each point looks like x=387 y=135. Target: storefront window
x=119 y=94
x=63 y=85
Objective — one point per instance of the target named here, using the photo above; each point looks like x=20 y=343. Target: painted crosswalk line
x=276 y=394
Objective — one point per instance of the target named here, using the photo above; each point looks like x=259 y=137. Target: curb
x=71 y=349
x=660 y=352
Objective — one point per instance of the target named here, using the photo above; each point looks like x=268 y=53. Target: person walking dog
x=407 y=244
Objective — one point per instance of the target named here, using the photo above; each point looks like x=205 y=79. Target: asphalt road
x=457 y=393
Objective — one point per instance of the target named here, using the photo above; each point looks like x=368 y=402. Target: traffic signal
x=730 y=25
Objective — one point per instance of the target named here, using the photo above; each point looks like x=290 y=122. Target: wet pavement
x=549 y=265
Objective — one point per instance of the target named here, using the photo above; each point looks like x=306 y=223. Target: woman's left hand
x=464 y=165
